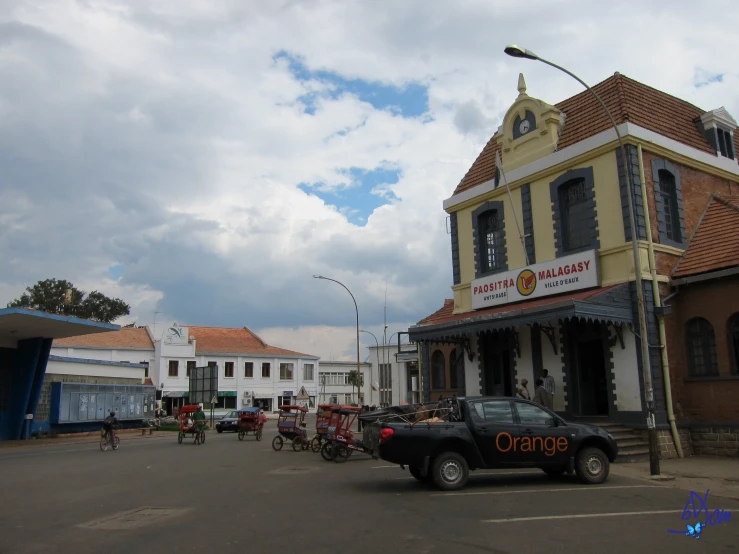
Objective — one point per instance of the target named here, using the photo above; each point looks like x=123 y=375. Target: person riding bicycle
x=199 y=418
x=108 y=423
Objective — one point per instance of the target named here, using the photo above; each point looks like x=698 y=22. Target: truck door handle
x=527 y=432
x=482 y=429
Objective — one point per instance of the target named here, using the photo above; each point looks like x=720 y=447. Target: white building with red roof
x=250 y=371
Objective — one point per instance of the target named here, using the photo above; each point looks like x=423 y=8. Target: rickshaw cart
x=322 y=416
x=340 y=438
x=198 y=427
x=250 y=423
x=291 y=426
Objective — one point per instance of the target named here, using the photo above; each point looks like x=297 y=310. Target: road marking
x=525 y=491
x=578 y=516
x=384 y=467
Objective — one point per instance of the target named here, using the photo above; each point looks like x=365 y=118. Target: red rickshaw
x=322 y=416
x=188 y=425
x=291 y=426
x=340 y=441
x=251 y=422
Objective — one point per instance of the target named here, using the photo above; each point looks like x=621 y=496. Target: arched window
x=668 y=191
x=574 y=211
x=453 y=370
x=491 y=240
x=438 y=371
x=701 y=348
x=734 y=341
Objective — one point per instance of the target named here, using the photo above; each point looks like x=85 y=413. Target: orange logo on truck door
x=549 y=445
x=526 y=282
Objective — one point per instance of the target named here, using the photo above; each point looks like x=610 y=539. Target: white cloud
x=165 y=137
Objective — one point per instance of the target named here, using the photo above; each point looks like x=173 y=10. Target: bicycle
x=106 y=441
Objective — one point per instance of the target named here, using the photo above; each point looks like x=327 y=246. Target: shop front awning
x=609 y=305
x=227 y=393
x=177 y=394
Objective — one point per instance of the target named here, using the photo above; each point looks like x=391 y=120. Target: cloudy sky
x=202 y=159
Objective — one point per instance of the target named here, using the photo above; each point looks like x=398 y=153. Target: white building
x=334 y=387
x=251 y=372
x=397 y=378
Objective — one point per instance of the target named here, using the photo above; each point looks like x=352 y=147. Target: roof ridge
x=692 y=235
x=252 y=333
x=623 y=105
x=725 y=200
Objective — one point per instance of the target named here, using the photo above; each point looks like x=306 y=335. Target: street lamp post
x=518 y=52
x=377 y=354
x=359 y=371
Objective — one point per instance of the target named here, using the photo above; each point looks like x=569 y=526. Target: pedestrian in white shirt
x=522 y=391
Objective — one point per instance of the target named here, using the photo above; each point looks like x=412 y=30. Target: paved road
x=244 y=497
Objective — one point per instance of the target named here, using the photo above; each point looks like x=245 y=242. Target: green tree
x=63 y=298
x=355 y=380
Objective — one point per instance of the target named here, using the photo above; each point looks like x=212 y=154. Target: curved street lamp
x=377 y=353
x=359 y=371
x=518 y=52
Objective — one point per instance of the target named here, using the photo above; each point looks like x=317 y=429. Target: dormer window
x=718 y=127
x=725 y=143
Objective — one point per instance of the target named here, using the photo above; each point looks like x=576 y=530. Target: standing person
x=549 y=385
x=540 y=393
x=523 y=391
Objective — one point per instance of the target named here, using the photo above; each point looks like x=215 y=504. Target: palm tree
x=355 y=380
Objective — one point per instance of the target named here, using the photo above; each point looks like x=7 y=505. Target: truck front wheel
x=416 y=472
x=592 y=466
x=450 y=471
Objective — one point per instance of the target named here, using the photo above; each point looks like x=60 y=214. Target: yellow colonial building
x=543 y=271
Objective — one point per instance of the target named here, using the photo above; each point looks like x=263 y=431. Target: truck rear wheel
x=450 y=471
x=592 y=466
x=416 y=472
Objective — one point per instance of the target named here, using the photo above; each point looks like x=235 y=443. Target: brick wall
x=716 y=441
x=667 y=449
x=697 y=188
x=44 y=403
x=708 y=399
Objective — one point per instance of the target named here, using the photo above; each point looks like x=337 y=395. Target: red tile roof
x=715 y=241
x=226 y=340
x=445 y=315
x=128 y=337
x=628 y=101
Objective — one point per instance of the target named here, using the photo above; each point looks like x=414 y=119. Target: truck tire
x=450 y=471
x=416 y=472
x=592 y=466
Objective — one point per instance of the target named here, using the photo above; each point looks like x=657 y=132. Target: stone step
x=624 y=444
x=628 y=437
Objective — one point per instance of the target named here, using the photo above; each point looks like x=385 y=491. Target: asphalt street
x=226 y=496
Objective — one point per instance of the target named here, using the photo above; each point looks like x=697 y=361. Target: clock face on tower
x=523 y=128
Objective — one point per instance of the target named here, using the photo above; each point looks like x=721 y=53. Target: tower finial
x=521 y=84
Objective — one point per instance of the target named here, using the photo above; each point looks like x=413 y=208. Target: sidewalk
x=696 y=473
x=79 y=438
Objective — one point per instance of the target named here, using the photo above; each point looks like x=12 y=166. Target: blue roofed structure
x=25 y=342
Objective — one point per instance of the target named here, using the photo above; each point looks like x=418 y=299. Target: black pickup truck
x=490 y=433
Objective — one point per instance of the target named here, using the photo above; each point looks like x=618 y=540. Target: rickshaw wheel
x=327 y=452
x=340 y=453
x=277 y=443
x=202 y=437
x=103 y=444
x=315 y=445
x=180 y=436
x=297 y=444
x=241 y=435
x=259 y=434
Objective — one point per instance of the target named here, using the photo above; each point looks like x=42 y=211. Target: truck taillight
x=385 y=434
